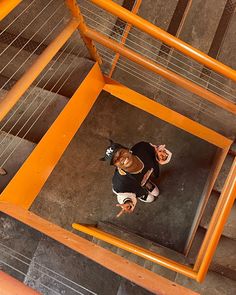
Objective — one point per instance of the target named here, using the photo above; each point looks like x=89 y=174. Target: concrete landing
x=79 y=189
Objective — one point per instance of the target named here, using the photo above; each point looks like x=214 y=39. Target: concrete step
x=17 y=150
x=224 y=259
x=213 y=284
x=63 y=74
x=17 y=245
x=144 y=243
x=163 y=251
x=223 y=173
x=31 y=105
x=56 y=268
x=230 y=226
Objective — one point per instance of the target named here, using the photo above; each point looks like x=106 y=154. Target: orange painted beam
x=30 y=178
x=127 y=269
x=6 y=6
x=32 y=73
x=228 y=195
x=167 y=38
x=156 y=68
x=124 y=37
x=136 y=250
x=11 y=286
x=152 y=107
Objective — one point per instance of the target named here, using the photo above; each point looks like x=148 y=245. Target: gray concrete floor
x=79 y=189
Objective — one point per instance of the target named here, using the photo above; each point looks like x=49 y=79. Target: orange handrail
x=154 y=67
x=131 y=271
x=139 y=251
x=6 y=6
x=222 y=212
x=167 y=38
x=32 y=73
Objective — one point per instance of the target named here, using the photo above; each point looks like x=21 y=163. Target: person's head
x=118 y=155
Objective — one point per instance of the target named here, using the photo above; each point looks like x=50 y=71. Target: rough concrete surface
x=79 y=189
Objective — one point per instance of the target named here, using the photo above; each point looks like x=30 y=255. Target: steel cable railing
x=32 y=101
x=150 y=80
x=30 y=23
x=33 y=88
x=18 y=16
x=45 y=271
x=48 y=103
x=156 y=55
x=174 y=92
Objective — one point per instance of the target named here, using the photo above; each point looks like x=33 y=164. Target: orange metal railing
x=6 y=6
x=167 y=38
x=208 y=247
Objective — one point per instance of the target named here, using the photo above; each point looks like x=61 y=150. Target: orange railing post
x=124 y=37
x=167 y=38
x=75 y=11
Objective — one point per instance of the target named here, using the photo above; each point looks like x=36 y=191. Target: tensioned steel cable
x=35 y=86
x=44 y=267
x=160 y=42
x=31 y=92
x=111 y=37
x=32 y=104
x=46 y=274
x=198 y=107
x=32 y=53
x=178 y=90
x=26 y=27
x=160 y=57
x=1 y=165
x=25 y=274
x=15 y=19
x=159 y=86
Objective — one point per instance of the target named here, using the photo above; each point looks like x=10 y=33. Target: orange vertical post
x=75 y=11
x=124 y=37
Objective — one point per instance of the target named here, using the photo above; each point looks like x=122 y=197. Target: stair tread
x=223 y=173
x=230 y=225
x=16 y=159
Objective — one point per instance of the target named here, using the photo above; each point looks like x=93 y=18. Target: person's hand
x=162 y=154
x=128 y=207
